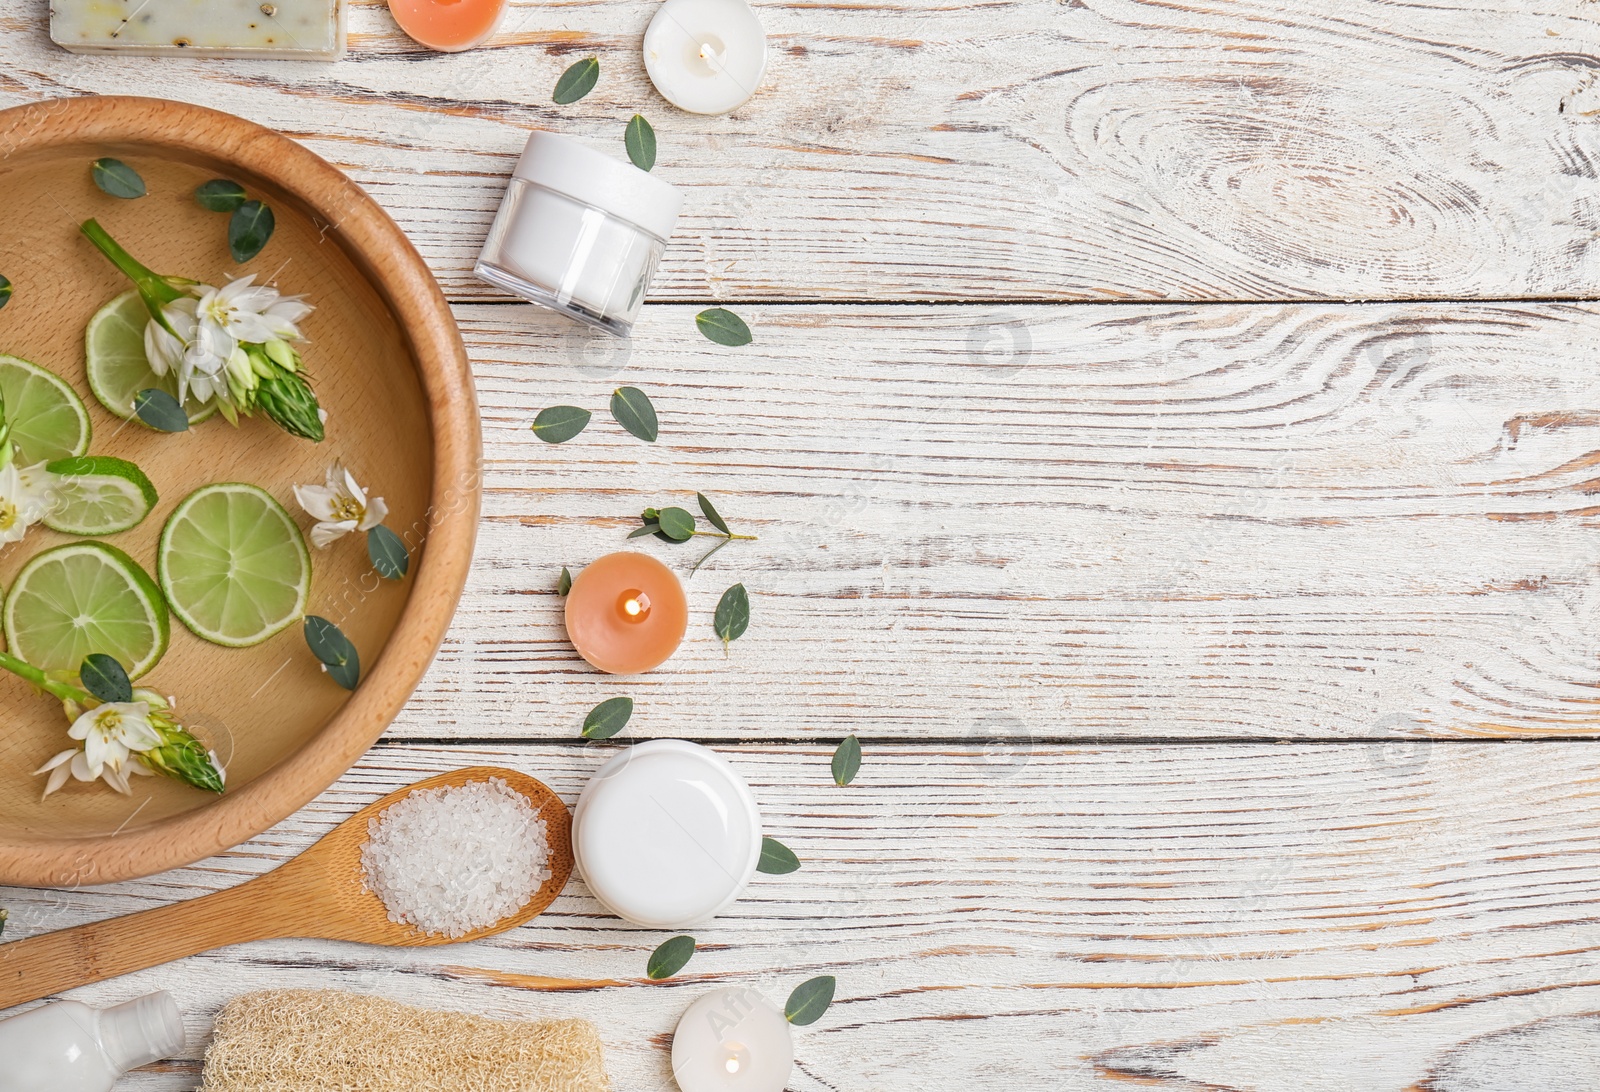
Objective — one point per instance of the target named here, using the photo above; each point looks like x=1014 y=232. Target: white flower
x=26 y=494
x=339 y=507
x=73 y=763
x=110 y=731
x=197 y=354
x=208 y=328
x=250 y=313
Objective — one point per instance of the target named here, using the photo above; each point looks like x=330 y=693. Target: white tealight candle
x=706 y=56
x=732 y=1040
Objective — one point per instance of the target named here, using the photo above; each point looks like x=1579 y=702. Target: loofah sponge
x=331 y=1041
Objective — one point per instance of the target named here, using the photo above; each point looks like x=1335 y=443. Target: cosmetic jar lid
x=666 y=834
x=620 y=189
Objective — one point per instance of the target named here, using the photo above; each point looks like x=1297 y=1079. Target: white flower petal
x=59 y=760
x=326 y=532
x=317 y=500
x=377 y=512
x=81 y=768
x=352 y=489
x=58 y=778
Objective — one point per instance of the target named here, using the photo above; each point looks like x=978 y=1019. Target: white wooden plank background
x=1013 y=149
x=1068 y=568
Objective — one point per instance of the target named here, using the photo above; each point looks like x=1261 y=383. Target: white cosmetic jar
x=666 y=834
x=579 y=232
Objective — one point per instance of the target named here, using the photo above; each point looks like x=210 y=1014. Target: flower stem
x=156 y=290
x=730 y=538
x=22 y=669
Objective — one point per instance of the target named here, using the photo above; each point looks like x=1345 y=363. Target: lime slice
x=234 y=565
x=81 y=598
x=113 y=347
x=98 y=495
x=48 y=419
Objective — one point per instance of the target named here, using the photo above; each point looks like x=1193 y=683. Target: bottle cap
x=142 y=1031
x=666 y=834
x=583 y=174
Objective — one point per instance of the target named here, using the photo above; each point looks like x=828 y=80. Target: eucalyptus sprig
x=810 y=1000
x=5 y=291
x=670 y=957
x=114 y=720
x=776 y=858
x=251 y=224
x=678 y=525
x=336 y=652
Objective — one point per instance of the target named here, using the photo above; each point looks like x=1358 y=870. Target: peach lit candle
x=448 y=25
x=626 y=613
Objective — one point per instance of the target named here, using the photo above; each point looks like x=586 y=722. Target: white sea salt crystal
x=452 y=860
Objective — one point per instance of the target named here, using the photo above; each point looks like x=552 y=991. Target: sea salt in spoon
x=317 y=895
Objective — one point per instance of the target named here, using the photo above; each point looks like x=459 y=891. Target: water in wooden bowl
x=387 y=365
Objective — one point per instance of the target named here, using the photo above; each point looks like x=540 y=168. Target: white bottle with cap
x=70 y=1047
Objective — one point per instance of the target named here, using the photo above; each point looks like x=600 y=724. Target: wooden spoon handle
x=45 y=965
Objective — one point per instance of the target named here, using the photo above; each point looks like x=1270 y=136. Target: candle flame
x=632 y=606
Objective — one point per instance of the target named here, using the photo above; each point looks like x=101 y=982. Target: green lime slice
x=82 y=598
x=48 y=419
x=234 y=565
x=98 y=495
x=113 y=347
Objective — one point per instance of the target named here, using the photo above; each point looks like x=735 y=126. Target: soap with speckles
x=306 y=30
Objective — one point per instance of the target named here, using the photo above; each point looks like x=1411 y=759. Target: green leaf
x=810 y=1000
x=608 y=718
x=640 y=141
x=5 y=291
x=159 y=410
x=577 y=81
x=116 y=178
x=329 y=644
x=647 y=529
x=711 y=513
x=847 y=761
x=219 y=195
x=103 y=676
x=677 y=524
x=705 y=557
x=388 y=553
x=777 y=859
x=632 y=409
x=670 y=957
x=249 y=230
x=733 y=615
x=723 y=326
x=564 y=585
x=558 y=424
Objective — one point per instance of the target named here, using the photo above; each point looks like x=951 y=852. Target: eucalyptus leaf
x=219 y=195
x=116 y=178
x=810 y=1000
x=249 y=230
x=329 y=644
x=558 y=424
x=647 y=529
x=670 y=957
x=712 y=514
x=5 y=291
x=847 y=761
x=640 y=141
x=608 y=718
x=723 y=326
x=632 y=409
x=577 y=81
x=564 y=585
x=388 y=553
x=103 y=676
x=733 y=615
x=705 y=557
x=677 y=524
x=158 y=409
x=777 y=859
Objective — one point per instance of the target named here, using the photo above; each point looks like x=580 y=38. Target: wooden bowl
x=388 y=365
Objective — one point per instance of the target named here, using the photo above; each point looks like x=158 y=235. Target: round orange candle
x=448 y=25
x=626 y=613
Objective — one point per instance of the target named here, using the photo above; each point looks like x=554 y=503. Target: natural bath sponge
x=330 y=1041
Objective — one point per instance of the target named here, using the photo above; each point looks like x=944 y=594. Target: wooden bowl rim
x=371 y=239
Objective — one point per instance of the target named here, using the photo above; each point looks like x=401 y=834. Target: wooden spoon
x=319 y=894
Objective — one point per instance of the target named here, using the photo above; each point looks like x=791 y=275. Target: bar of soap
x=304 y=30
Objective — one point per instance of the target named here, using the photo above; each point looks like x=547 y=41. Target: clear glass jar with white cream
x=579 y=232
